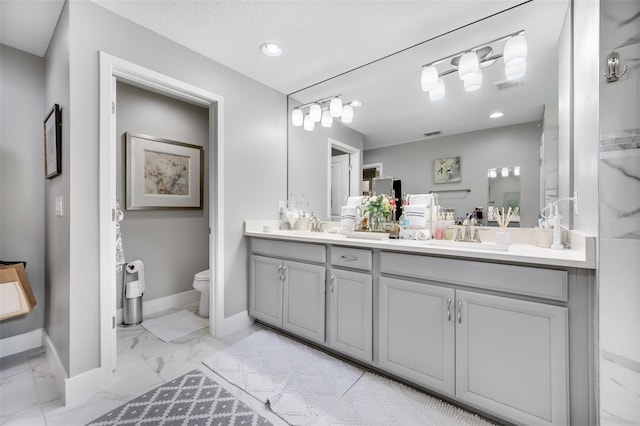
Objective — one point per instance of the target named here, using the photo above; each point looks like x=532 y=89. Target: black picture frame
x=53 y=142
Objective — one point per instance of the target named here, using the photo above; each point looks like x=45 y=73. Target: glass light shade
x=315 y=112
x=515 y=70
x=516 y=171
x=504 y=172
x=437 y=93
x=515 y=50
x=473 y=83
x=297 y=117
x=429 y=78
x=335 y=107
x=493 y=173
x=347 y=114
x=327 y=120
x=309 y=124
x=468 y=66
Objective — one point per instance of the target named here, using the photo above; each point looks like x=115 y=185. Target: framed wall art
x=447 y=170
x=53 y=143
x=162 y=174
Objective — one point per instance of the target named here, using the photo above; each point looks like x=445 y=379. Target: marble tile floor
x=29 y=396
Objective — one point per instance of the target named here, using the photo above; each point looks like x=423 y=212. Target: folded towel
x=354 y=201
x=347 y=217
x=416 y=214
x=421 y=199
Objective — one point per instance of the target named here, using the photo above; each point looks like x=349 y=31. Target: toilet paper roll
x=136 y=267
x=132 y=290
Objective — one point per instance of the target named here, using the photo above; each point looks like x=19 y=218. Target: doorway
x=112 y=70
x=343 y=175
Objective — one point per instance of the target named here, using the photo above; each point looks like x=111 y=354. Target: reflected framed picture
x=53 y=142
x=162 y=174
x=447 y=170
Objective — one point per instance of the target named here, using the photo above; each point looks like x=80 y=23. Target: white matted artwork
x=446 y=170
x=163 y=174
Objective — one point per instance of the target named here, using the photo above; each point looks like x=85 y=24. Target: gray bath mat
x=191 y=399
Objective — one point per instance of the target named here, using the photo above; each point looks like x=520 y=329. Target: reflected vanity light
x=504 y=172
x=323 y=111
x=469 y=63
x=516 y=171
x=493 y=173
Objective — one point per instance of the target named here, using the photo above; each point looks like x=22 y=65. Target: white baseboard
x=20 y=343
x=72 y=389
x=164 y=303
x=234 y=323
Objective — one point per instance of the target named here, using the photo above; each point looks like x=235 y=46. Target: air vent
x=506 y=84
x=436 y=133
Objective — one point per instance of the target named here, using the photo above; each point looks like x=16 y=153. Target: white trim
x=171 y=301
x=20 y=343
x=72 y=389
x=235 y=323
x=112 y=68
x=355 y=164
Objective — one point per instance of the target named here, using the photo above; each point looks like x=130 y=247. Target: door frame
x=355 y=163
x=113 y=69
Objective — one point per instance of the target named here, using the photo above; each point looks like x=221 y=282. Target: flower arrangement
x=379 y=209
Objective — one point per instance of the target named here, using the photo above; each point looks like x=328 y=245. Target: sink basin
x=467 y=245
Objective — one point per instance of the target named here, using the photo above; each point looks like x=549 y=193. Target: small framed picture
x=162 y=174
x=53 y=143
x=447 y=170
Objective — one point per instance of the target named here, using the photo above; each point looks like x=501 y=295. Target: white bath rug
x=376 y=400
x=268 y=366
x=176 y=325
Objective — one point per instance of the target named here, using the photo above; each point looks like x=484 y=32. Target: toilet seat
x=202 y=276
x=201 y=283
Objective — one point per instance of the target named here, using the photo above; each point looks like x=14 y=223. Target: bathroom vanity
x=507 y=333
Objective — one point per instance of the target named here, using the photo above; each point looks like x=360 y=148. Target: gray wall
x=517 y=145
x=22 y=112
x=173 y=244
x=58 y=321
x=254 y=154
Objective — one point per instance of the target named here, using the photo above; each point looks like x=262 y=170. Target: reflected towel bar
x=450 y=190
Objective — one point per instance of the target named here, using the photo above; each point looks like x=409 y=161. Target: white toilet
x=201 y=283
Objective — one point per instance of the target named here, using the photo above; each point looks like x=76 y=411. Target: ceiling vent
x=506 y=84
x=436 y=133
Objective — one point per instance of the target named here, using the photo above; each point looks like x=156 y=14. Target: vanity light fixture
x=516 y=171
x=469 y=63
x=271 y=49
x=323 y=111
x=493 y=173
x=505 y=172
x=496 y=114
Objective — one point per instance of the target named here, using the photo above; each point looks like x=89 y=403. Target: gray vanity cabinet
x=351 y=303
x=511 y=357
x=287 y=293
x=417 y=333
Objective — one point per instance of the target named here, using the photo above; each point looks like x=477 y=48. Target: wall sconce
x=323 y=111
x=469 y=64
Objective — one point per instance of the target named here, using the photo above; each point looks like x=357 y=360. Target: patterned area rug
x=192 y=399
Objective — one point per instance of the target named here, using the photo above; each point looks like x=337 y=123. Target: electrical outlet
x=59 y=204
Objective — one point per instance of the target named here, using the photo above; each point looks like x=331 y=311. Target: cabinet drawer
x=537 y=282
x=300 y=251
x=351 y=258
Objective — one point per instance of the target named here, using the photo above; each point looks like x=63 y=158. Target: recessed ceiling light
x=497 y=114
x=271 y=49
x=356 y=103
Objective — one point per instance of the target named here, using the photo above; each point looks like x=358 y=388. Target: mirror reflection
x=399 y=131
x=504 y=193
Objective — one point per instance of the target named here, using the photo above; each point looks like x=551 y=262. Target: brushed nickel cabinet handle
x=333 y=277
x=449 y=309
x=459 y=311
x=348 y=258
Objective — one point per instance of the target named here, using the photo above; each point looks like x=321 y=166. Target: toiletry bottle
x=404 y=224
x=439 y=227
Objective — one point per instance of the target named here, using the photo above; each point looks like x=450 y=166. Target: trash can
x=133 y=287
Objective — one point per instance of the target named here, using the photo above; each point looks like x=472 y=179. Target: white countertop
x=582 y=253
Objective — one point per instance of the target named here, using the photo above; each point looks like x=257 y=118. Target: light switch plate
x=59 y=209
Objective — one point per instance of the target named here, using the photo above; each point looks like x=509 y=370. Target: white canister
x=503 y=238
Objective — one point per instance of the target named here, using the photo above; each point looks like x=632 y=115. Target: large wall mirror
x=400 y=128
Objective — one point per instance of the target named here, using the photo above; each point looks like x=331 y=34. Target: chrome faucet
x=466 y=236
x=314 y=223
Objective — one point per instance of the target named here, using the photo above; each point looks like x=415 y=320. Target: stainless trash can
x=133 y=287
x=132 y=310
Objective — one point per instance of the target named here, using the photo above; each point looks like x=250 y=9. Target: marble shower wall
x=619 y=200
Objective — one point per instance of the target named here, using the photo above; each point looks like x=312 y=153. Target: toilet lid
x=203 y=275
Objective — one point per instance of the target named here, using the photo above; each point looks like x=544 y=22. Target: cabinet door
x=304 y=300
x=265 y=289
x=512 y=358
x=351 y=314
x=417 y=333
